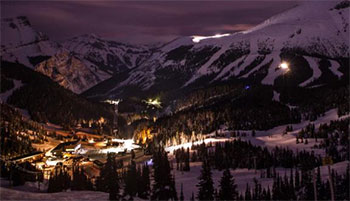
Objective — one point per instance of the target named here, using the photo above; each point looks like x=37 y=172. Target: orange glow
x=144 y=135
x=284 y=65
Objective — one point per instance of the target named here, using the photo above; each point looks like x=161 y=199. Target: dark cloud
x=142 y=21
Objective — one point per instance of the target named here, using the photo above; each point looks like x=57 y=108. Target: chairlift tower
x=115 y=114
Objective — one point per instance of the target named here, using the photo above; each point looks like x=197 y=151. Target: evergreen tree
x=276 y=189
x=144 y=184
x=192 y=197
x=130 y=181
x=182 y=198
x=80 y=180
x=253 y=133
x=297 y=179
x=268 y=194
x=108 y=179
x=164 y=183
x=52 y=184
x=187 y=160
x=205 y=185
x=58 y=181
x=228 y=188
x=248 y=195
x=17 y=177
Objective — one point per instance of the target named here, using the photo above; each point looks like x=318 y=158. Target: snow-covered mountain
x=72 y=72
x=23 y=44
x=304 y=36
x=109 y=55
x=311 y=30
x=77 y=64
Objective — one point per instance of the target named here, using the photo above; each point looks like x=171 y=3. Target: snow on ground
x=247 y=61
x=316 y=72
x=189 y=180
x=11 y=194
x=276 y=96
x=335 y=68
x=273 y=137
x=273 y=71
x=203 y=70
x=266 y=60
x=340 y=168
x=171 y=149
x=269 y=138
x=229 y=67
x=4 y=96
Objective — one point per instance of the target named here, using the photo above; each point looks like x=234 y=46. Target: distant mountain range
x=304 y=36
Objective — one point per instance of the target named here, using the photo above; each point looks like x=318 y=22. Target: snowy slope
x=335 y=68
x=315 y=29
x=310 y=30
x=19 y=41
x=109 y=55
x=4 y=96
x=316 y=71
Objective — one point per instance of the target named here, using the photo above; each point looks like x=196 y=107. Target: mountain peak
x=16 y=21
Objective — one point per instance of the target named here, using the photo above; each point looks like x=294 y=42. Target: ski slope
x=4 y=96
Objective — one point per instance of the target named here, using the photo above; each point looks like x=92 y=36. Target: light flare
x=153 y=102
x=284 y=65
x=197 y=39
x=124 y=145
x=113 y=102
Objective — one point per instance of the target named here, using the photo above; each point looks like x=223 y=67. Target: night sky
x=142 y=21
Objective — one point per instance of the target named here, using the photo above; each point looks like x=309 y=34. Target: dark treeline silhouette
x=14 y=140
x=46 y=101
x=240 y=154
x=299 y=185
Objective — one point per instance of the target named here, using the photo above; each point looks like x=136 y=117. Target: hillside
x=311 y=37
x=305 y=37
x=109 y=56
x=21 y=43
x=47 y=101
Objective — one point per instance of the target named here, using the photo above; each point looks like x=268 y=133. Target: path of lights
x=197 y=39
x=171 y=149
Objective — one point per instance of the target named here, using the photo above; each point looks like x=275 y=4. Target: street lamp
x=115 y=116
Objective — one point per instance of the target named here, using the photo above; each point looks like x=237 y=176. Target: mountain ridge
x=303 y=31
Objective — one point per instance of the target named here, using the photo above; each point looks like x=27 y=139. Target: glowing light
x=150 y=162
x=53 y=161
x=171 y=149
x=284 y=65
x=124 y=145
x=112 y=150
x=197 y=39
x=153 y=102
x=113 y=102
x=91 y=141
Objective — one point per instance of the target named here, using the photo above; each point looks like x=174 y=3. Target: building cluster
x=89 y=154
